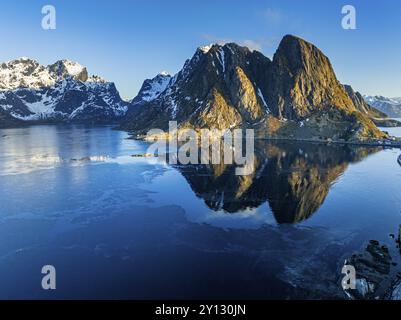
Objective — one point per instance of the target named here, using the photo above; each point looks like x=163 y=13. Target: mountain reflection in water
x=123 y=227
x=294 y=179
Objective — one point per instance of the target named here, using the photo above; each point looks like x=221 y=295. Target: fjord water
x=115 y=226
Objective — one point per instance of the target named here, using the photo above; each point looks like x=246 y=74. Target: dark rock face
x=7 y=120
x=303 y=81
x=295 y=95
x=62 y=91
x=360 y=103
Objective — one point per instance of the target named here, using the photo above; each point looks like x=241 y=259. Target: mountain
x=378 y=117
x=152 y=88
x=390 y=106
x=62 y=91
x=295 y=95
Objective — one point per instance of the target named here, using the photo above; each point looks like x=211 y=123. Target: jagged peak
x=291 y=42
x=26 y=72
x=152 y=88
x=96 y=79
x=232 y=46
x=23 y=59
x=20 y=62
x=206 y=48
x=164 y=74
x=70 y=67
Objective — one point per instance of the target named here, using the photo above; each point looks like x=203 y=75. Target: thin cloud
x=251 y=44
x=212 y=39
x=273 y=15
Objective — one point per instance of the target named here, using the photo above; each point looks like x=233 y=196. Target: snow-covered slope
x=152 y=88
x=62 y=91
x=390 y=106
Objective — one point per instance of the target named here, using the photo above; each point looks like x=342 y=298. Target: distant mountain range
x=62 y=91
x=294 y=95
x=390 y=106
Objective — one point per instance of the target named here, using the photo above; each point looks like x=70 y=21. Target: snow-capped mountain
x=390 y=106
x=296 y=94
x=28 y=73
x=62 y=91
x=152 y=88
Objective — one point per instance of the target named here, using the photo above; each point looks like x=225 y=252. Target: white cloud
x=252 y=44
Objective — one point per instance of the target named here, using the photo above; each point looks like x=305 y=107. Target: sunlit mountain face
x=293 y=179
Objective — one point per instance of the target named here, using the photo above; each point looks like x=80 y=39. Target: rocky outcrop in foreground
x=378 y=275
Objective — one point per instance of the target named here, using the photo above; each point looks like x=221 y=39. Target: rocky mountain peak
x=298 y=54
x=152 y=88
x=66 y=68
x=29 y=73
x=164 y=74
x=303 y=81
x=226 y=86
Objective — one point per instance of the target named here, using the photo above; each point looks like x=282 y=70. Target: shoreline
x=131 y=135
x=387 y=144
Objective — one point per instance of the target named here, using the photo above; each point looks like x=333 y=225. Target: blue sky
x=128 y=41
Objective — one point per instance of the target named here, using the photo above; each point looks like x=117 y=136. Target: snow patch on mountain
x=221 y=58
x=205 y=49
x=260 y=94
x=153 y=88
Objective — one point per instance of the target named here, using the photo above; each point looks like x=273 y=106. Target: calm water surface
x=121 y=227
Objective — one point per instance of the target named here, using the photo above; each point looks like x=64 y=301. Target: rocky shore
x=378 y=275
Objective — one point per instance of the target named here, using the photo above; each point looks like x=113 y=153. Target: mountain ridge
x=294 y=95
x=62 y=91
x=389 y=106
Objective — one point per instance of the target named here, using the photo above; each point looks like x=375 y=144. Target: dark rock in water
x=373 y=266
x=377 y=275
